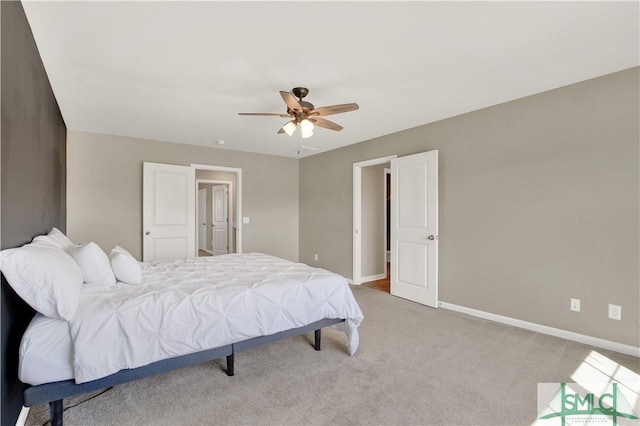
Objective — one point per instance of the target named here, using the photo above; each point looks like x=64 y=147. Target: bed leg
x=55 y=412
x=318 y=337
x=230 y=365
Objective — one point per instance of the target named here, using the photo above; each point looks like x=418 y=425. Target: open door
x=414 y=228
x=168 y=212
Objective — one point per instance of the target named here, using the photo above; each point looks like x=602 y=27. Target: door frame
x=229 y=185
x=357 y=214
x=238 y=199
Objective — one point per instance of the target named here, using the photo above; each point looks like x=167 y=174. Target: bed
x=179 y=313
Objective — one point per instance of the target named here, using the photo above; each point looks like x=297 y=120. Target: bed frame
x=54 y=393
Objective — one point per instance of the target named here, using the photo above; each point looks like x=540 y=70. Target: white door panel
x=170 y=198
x=166 y=248
x=414 y=228
x=412 y=206
x=220 y=219
x=168 y=212
x=409 y=257
x=202 y=219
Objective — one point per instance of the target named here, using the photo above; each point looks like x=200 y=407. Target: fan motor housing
x=300 y=92
x=307 y=105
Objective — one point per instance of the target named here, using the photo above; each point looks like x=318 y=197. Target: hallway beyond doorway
x=381 y=284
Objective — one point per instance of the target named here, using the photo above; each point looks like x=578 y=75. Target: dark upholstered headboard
x=15 y=317
x=33 y=182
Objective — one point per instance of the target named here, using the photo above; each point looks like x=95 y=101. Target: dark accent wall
x=33 y=186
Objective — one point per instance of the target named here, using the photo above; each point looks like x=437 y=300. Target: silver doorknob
x=431 y=237
x=147 y=233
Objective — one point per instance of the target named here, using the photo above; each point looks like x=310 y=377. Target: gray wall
x=104 y=191
x=373 y=226
x=33 y=176
x=538 y=204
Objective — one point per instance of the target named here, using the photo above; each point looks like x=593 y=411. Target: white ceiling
x=180 y=72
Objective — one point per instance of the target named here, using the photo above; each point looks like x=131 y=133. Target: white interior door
x=414 y=228
x=202 y=219
x=168 y=217
x=220 y=219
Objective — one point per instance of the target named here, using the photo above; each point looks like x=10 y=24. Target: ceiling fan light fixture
x=305 y=113
x=306 y=128
x=290 y=127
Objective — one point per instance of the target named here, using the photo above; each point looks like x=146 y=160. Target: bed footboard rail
x=54 y=393
x=316 y=327
x=263 y=340
x=48 y=392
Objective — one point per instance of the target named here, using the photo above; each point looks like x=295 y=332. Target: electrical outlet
x=316 y=257
x=575 y=305
x=615 y=312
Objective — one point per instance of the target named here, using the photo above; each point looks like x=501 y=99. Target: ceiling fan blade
x=334 y=109
x=321 y=122
x=274 y=114
x=281 y=130
x=291 y=101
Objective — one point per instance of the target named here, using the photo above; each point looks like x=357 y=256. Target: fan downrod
x=300 y=92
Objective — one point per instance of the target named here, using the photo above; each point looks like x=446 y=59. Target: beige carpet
x=415 y=365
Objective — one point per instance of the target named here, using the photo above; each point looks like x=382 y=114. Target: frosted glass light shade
x=289 y=128
x=306 y=128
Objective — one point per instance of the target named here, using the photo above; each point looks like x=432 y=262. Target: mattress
x=45 y=351
x=184 y=306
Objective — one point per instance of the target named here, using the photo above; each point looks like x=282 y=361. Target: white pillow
x=45 y=277
x=125 y=266
x=93 y=263
x=55 y=238
x=121 y=249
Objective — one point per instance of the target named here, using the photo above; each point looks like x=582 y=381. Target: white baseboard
x=557 y=332
x=367 y=279
x=373 y=278
x=22 y=418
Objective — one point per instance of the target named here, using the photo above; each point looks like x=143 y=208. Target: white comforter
x=190 y=305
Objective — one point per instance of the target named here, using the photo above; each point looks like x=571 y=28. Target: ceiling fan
x=304 y=113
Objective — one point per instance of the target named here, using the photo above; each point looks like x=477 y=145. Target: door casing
x=357 y=213
x=357 y=216
x=238 y=201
